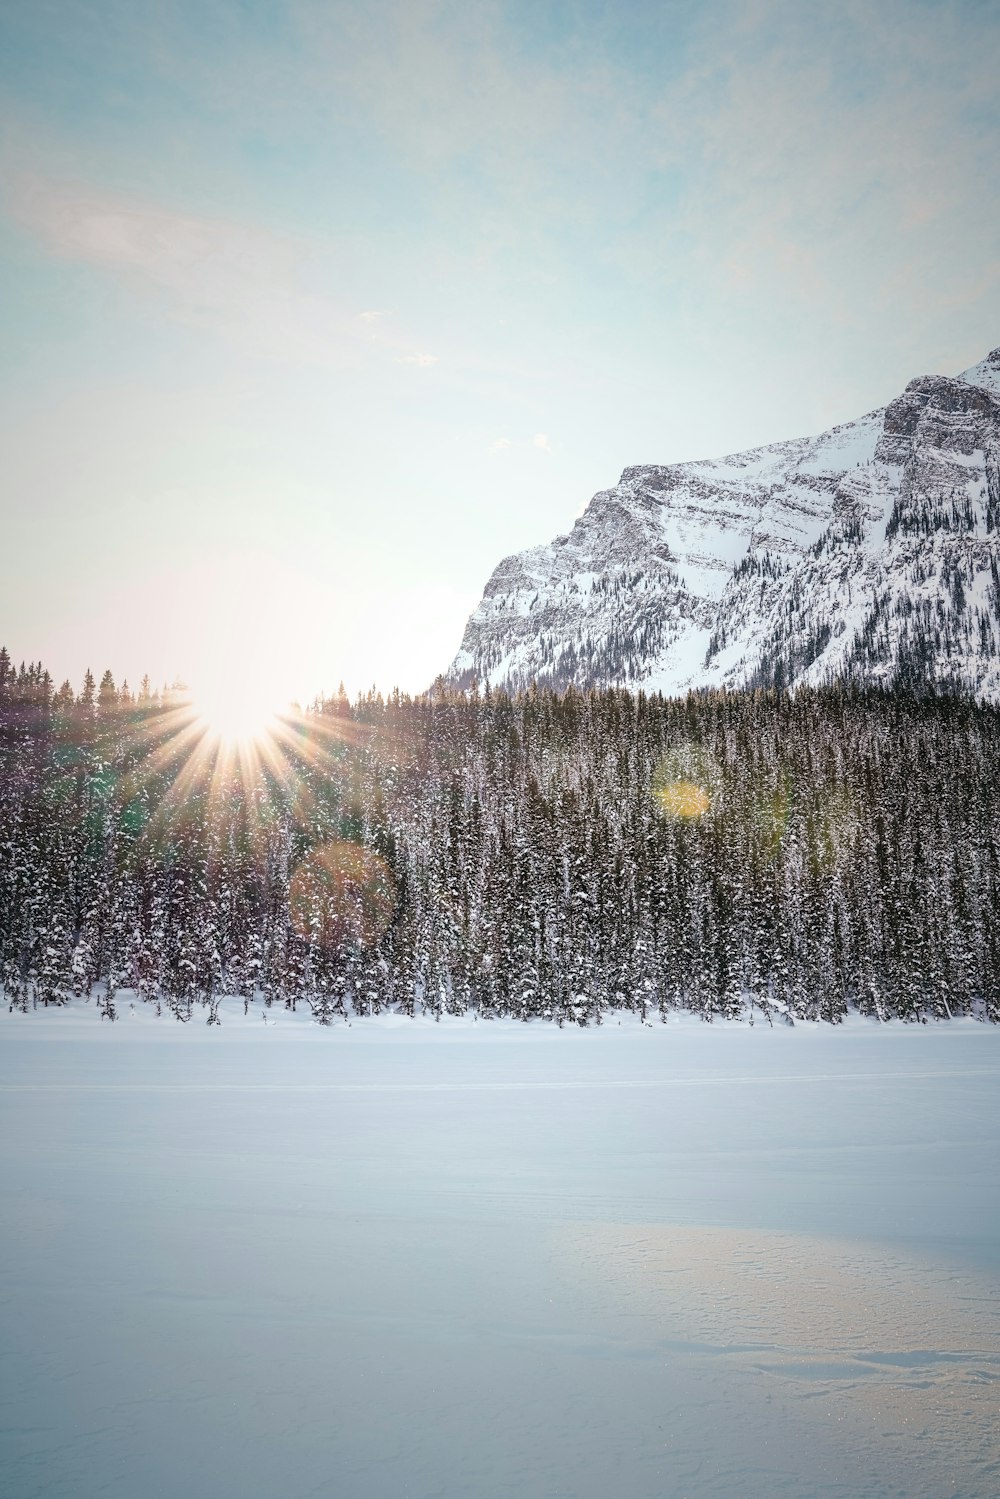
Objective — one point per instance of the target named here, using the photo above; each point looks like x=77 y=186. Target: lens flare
x=686 y=782
x=341 y=893
x=831 y=830
x=770 y=813
x=682 y=799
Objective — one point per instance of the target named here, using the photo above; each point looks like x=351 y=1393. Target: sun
x=244 y=644
x=236 y=709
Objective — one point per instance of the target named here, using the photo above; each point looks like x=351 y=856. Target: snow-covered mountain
x=871 y=552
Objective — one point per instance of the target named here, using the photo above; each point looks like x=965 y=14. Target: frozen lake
x=458 y=1261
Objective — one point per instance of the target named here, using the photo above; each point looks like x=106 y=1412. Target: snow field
x=418 y=1258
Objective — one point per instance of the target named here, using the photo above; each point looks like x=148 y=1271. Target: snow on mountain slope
x=870 y=552
x=985 y=374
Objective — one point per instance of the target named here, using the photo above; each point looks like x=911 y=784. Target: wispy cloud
x=731 y=161
x=541 y=442
x=423 y=360
x=812 y=175
x=446 y=85
x=236 y=277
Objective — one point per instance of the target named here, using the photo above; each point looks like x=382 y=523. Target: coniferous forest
x=549 y=855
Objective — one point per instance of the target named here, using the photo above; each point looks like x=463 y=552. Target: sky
x=313 y=310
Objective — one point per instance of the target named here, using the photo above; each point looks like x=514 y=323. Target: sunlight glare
x=245 y=658
x=236 y=709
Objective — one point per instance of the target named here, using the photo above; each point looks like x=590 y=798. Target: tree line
x=551 y=854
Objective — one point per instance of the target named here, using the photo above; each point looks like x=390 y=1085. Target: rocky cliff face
x=869 y=552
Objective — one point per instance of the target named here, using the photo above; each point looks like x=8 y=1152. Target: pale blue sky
x=313 y=311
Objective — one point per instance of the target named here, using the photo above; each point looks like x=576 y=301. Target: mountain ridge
x=867 y=552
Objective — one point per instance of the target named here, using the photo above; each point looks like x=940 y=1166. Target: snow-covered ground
x=400 y=1259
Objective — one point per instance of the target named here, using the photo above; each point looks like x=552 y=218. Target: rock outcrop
x=870 y=552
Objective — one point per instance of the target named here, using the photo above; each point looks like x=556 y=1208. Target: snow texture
x=870 y=552
x=415 y=1258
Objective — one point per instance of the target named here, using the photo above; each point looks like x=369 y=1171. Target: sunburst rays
x=178 y=760
x=192 y=787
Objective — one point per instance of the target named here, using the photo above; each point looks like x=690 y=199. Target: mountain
x=871 y=552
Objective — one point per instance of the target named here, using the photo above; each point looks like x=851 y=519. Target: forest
x=561 y=855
